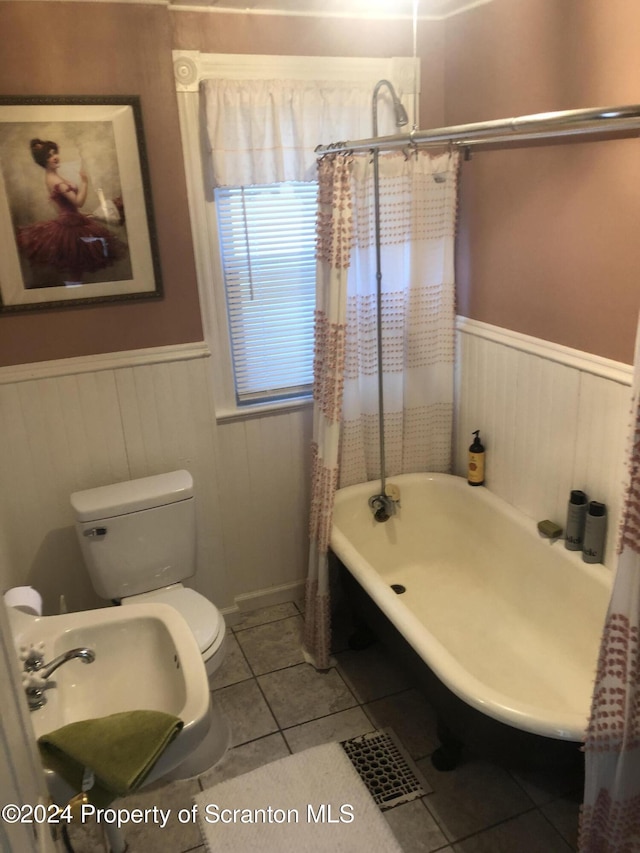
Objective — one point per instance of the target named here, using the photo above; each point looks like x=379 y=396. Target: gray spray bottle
x=576 y=519
x=595 y=532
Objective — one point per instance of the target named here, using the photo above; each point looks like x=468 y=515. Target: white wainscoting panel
x=112 y=419
x=552 y=419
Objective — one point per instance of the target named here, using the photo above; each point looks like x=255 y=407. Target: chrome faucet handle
x=34 y=686
x=32 y=657
x=33 y=680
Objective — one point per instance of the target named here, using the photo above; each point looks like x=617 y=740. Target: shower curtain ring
x=410 y=149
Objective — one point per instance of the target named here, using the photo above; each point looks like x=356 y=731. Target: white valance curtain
x=418 y=198
x=266 y=131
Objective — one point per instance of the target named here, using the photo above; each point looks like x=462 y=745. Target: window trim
x=190 y=68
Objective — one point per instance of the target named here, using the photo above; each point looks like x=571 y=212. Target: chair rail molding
x=586 y=362
x=102 y=361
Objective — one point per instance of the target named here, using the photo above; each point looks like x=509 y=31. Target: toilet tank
x=139 y=535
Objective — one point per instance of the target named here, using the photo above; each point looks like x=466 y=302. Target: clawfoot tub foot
x=362 y=637
x=448 y=755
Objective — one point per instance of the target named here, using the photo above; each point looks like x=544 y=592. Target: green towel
x=120 y=749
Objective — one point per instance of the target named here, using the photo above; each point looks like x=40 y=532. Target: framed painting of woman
x=76 y=219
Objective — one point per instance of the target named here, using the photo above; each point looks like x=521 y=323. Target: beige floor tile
x=414 y=827
x=234 y=667
x=564 y=814
x=301 y=693
x=472 y=797
x=274 y=645
x=243 y=759
x=264 y=615
x=248 y=714
x=528 y=833
x=175 y=836
x=336 y=727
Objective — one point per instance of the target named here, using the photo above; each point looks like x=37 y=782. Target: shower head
x=401 y=117
x=399 y=111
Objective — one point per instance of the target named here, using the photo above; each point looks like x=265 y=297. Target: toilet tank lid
x=132 y=495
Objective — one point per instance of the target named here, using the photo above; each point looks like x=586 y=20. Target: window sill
x=262 y=410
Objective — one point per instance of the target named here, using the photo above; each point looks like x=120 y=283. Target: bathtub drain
x=398 y=588
x=385 y=768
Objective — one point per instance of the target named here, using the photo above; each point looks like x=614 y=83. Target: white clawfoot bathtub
x=508 y=621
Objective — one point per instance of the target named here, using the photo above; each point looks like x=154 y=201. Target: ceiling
x=427 y=9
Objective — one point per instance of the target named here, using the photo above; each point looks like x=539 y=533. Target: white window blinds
x=267 y=240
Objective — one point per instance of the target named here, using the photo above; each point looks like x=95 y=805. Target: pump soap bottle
x=594 y=533
x=475 y=476
x=576 y=518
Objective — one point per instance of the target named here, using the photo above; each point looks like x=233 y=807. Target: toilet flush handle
x=95 y=532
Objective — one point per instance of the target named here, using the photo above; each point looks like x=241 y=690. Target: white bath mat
x=313 y=801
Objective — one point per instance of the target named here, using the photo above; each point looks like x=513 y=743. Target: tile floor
x=279 y=705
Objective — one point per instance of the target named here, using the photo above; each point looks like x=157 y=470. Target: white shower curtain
x=610 y=815
x=418 y=215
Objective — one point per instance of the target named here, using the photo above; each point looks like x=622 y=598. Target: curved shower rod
x=538 y=126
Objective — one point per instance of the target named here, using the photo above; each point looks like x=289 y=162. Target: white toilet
x=138 y=539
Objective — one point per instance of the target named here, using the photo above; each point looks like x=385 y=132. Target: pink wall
x=300 y=36
x=62 y=48
x=548 y=240
x=51 y=48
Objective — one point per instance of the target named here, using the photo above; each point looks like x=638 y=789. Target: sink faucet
x=36 y=675
x=85 y=655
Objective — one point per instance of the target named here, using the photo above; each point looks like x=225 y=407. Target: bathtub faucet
x=383 y=507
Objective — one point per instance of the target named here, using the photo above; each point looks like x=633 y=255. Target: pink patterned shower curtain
x=334 y=250
x=418 y=215
x=610 y=815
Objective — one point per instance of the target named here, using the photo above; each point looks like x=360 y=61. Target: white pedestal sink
x=146 y=658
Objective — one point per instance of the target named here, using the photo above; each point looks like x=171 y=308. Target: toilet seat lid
x=203 y=617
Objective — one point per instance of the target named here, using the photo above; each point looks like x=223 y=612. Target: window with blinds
x=267 y=242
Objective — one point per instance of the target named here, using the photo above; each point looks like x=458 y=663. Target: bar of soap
x=549 y=529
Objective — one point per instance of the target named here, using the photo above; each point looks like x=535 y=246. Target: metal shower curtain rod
x=539 y=126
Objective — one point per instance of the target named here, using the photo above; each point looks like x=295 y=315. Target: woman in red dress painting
x=73 y=243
